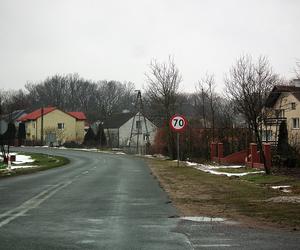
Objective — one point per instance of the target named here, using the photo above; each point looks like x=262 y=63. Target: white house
x=129 y=131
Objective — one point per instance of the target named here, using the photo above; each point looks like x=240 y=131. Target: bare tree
x=207 y=94
x=248 y=86
x=163 y=82
x=297 y=69
x=114 y=96
x=200 y=102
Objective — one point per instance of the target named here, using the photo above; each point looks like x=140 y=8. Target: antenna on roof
x=138 y=110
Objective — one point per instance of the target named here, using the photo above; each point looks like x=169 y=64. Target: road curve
x=97 y=201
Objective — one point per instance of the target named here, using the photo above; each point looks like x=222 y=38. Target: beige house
x=283 y=104
x=56 y=126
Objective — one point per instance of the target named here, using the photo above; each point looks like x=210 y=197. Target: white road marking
x=31 y=203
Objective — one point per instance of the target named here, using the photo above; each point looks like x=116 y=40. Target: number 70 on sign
x=178 y=123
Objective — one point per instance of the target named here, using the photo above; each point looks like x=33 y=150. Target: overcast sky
x=116 y=40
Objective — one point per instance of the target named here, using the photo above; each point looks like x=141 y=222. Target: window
x=295 y=123
x=60 y=125
x=293 y=104
x=33 y=124
x=267 y=135
x=280 y=113
x=138 y=125
x=145 y=137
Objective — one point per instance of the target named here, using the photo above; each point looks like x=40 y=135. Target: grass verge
x=196 y=193
x=42 y=162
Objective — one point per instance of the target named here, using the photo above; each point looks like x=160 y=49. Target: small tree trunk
x=260 y=148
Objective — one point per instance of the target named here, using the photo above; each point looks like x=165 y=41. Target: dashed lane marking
x=31 y=203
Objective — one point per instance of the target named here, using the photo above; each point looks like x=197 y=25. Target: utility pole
x=139 y=108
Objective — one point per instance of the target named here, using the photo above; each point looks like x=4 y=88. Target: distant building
x=14 y=116
x=56 y=125
x=129 y=130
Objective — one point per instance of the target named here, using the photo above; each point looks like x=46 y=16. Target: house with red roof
x=54 y=126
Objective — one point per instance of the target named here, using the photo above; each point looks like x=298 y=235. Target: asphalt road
x=103 y=201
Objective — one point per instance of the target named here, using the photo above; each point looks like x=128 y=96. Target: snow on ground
x=85 y=149
x=22 y=159
x=149 y=156
x=114 y=150
x=190 y=164
x=284 y=189
x=26 y=166
x=212 y=169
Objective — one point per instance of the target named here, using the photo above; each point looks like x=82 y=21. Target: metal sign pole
x=177 y=124
x=177 y=149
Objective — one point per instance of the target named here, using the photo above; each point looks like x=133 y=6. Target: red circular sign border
x=178 y=130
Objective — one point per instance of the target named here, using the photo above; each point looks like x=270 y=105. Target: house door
x=50 y=138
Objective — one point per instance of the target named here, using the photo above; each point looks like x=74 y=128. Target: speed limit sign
x=178 y=123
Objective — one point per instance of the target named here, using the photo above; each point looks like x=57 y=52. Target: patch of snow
x=22 y=159
x=278 y=187
x=191 y=163
x=282 y=188
x=86 y=149
x=234 y=166
x=209 y=169
x=203 y=219
x=120 y=153
x=212 y=169
x=18 y=167
x=149 y=156
x=160 y=156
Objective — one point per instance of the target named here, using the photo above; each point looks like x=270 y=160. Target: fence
x=250 y=158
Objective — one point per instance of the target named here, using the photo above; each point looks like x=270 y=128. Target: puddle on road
x=203 y=219
x=210 y=219
x=86 y=242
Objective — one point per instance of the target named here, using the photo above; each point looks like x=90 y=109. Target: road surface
x=105 y=201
